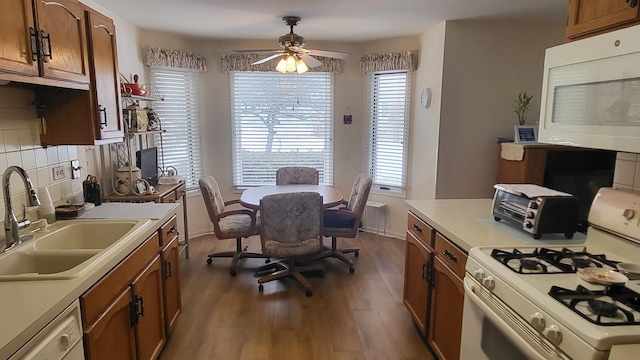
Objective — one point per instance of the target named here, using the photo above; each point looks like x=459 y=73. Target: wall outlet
x=58 y=173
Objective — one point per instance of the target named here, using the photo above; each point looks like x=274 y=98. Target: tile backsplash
x=20 y=146
x=627 y=173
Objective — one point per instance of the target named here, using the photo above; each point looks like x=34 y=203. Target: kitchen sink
x=84 y=235
x=66 y=248
x=21 y=265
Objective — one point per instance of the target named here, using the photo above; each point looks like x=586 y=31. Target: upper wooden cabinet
x=591 y=17
x=44 y=42
x=94 y=117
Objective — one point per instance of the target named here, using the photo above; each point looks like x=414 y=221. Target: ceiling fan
x=295 y=56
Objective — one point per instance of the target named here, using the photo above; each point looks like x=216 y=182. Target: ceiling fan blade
x=267 y=59
x=331 y=54
x=310 y=60
x=257 y=50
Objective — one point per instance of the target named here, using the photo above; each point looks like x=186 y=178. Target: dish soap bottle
x=46 y=209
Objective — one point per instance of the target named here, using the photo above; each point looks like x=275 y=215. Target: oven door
x=492 y=331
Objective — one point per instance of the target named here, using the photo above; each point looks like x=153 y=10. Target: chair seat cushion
x=236 y=224
x=338 y=221
x=282 y=249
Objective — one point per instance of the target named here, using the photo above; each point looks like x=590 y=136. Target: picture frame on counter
x=525 y=134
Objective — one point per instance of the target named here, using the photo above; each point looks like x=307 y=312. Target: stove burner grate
x=550 y=261
x=606 y=313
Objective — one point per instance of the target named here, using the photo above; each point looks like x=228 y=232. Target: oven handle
x=506 y=330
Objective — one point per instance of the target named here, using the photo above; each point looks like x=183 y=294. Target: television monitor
x=147 y=161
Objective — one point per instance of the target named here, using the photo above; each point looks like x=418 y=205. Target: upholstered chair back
x=359 y=193
x=297 y=175
x=211 y=191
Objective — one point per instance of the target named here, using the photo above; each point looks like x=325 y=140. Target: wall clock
x=425 y=97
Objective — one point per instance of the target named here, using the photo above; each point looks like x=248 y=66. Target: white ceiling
x=335 y=20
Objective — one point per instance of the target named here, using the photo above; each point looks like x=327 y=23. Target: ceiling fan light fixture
x=291 y=63
x=301 y=67
x=282 y=66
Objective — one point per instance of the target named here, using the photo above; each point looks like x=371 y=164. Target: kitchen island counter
x=30 y=305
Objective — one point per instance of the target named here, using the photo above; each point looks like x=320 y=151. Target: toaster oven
x=536 y=209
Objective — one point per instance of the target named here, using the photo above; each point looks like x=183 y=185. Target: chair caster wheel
x=209 y=261
x=233 y=272
x=260 y=288
x=267 y=261
x=357 y=253
x=352 y=269
x=308 y=292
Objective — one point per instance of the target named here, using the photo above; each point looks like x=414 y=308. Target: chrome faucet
x=11 y=224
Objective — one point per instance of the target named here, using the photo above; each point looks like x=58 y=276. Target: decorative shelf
x=138 y=98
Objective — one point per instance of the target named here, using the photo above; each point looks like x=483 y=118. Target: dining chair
x=238 y=224
x=344 y=221
x=293 y=175
x=290 y=228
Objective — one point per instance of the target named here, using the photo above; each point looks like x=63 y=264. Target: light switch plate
x=58 y=173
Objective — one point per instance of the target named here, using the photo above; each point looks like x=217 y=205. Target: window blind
x=179 y=118
x=387 y=121
x=281 y=120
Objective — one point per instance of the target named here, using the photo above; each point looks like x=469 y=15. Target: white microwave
x=591 y=92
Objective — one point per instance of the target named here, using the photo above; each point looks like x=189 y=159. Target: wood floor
x=349 y=316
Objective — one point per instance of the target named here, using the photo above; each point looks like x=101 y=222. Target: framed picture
x=526 y=134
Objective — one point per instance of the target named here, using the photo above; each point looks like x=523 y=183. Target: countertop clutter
x=30 y=305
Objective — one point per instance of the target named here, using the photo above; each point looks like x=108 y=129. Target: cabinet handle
x=450 y=256
x=172 y=230
x=416 y=228
x=140 y=301
x=46 y=38
x=167 y=269
x=425 y=272
x=34 y=43
x=632 y=3
x=102 y=115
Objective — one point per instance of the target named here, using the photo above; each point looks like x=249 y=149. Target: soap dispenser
x=46 y=209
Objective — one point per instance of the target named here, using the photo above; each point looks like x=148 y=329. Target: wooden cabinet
x=44 y=42
x=94 y=116
x=433 y=288
x=130 y=311
x=447 y=299
x=591 y=17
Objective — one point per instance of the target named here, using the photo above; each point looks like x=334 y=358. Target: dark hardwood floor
x=349 y=316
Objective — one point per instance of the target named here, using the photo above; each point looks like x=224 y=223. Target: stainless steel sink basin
x=66 y=248
x=84 y=235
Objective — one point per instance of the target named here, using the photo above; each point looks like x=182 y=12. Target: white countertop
x=469 y=223
x=27 y=306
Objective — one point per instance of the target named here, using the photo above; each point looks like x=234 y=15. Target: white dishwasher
x=60 y=339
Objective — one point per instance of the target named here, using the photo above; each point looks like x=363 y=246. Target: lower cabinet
x=433 y=287
x=130 y=311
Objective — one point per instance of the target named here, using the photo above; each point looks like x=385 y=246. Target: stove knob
x=488 y=282
x=533 y=205
x=478 y=274
x=554 y=334
x=537 y=321
x=628 y=214
x=530 y=215
x=528 y=225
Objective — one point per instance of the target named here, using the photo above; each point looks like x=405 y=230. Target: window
x=281 y=120
x=179 y=117
x=387 y=121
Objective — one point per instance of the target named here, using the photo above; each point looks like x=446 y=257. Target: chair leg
x=236 y=256
x=339 y=254
x=289 y=269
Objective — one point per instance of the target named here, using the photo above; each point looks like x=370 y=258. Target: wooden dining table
x=250 y=198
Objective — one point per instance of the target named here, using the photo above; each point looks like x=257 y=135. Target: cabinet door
x=111 y=336
x=447 y=298
x=104 y=76
x=589 y=17
x=16 y=25
x=147 y=290
x=171 y=274
x=417 y=264
x=63 y=38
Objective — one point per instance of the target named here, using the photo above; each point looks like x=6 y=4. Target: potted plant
x=521 y=105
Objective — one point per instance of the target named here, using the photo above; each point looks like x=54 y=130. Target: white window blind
x=179 y=118
x=387 y=122
x=281 y=120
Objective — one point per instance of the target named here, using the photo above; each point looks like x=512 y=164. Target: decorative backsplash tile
x=20 y=146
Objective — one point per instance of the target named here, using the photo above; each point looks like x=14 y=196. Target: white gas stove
x=557 y=302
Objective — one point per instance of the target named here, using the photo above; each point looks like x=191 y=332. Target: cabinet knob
x=416 y=228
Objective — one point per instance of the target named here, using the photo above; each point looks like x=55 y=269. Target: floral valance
x=242 y=62
x=388 y=62
x=180 y=59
